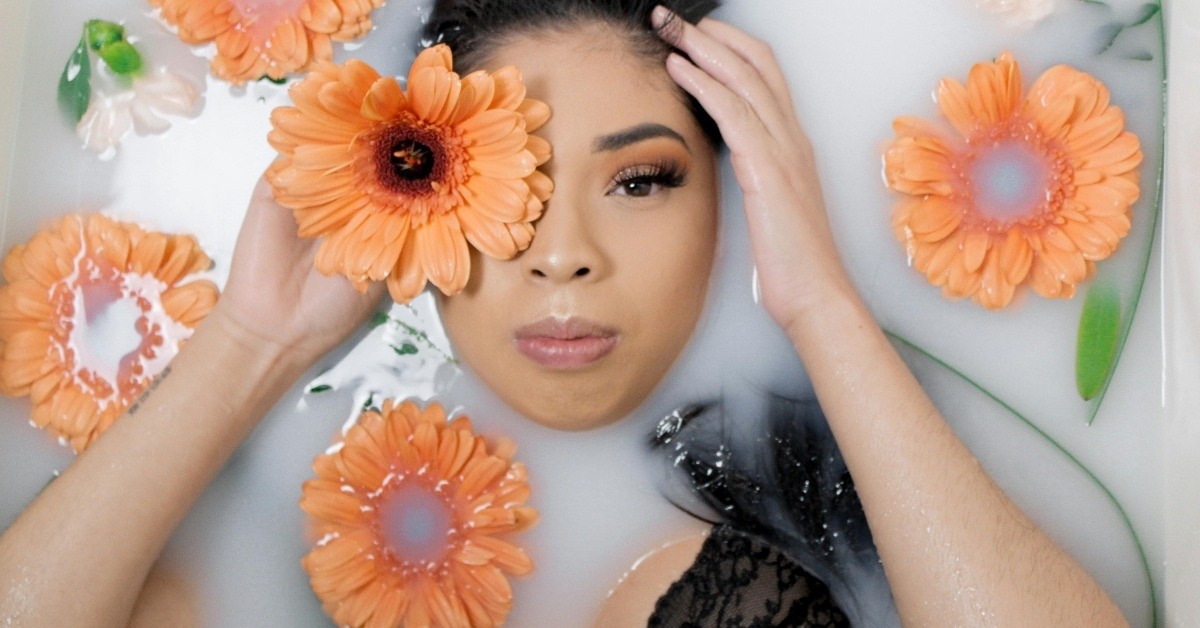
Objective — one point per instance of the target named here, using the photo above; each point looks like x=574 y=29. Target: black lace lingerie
x=790 y=544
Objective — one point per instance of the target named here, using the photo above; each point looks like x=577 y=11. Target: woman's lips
x=565 y=343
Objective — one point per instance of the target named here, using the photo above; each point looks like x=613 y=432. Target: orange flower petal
x=384 y=101
x=442 y=249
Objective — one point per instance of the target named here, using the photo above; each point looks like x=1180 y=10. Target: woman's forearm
x=956 y=550
x=79 y=554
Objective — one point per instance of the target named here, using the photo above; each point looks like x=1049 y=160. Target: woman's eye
x=642 y=181
x=641 y=186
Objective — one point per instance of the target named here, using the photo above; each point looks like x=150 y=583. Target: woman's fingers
x=721 y=63
x=741 y=126
x=754 y=52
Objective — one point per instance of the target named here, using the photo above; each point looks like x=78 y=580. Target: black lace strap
x=739 y=580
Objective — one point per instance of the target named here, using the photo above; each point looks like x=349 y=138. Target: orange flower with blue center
x=409 y=514
x=1033 y=190
x=398 y=183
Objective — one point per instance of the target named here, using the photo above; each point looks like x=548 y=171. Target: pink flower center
x=260 y=17
x=418 y=525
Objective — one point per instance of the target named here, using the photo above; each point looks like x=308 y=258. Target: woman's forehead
x=601 y=87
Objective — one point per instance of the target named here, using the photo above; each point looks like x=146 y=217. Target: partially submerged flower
x=1022 y=13
x=144 y=107
x=92 y=310
x=1032 y=190
x=409 y=514
x=398 y=183
x=273 y=38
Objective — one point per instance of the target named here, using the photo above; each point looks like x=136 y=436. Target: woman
x=955 y=549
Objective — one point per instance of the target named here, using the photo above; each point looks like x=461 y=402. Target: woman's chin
x=575 y=410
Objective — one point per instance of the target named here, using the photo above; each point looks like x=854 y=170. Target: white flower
x=142 y=107
x=1022 y=13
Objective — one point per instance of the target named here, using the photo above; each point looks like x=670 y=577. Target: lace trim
x=739 y=581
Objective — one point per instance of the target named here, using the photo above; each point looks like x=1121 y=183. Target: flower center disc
x=412 y=160
x=407 y=161
x=107 y=333
x=1009 y=181
x=417 y=524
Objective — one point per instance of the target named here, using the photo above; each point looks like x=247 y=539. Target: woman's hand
x=276 y=299
x=738 y=82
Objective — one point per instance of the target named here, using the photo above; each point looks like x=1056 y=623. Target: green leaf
x=121 y=57
x=74 y=86
x=1099 y=326
x=1108 y=35
x=378 y=319
x=407 y=348
x=320 y=388
x=1145 y=12
x=100 y=33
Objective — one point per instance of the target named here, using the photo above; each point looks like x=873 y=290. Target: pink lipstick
x=565 y=343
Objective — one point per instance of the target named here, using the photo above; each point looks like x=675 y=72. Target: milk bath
x=852 y=69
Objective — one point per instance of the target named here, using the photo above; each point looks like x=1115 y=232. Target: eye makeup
x=645 y=179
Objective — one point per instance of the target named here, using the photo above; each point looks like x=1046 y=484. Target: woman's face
x=576 y=331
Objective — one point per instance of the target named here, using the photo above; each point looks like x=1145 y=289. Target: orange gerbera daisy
x=267 y=37
x=399 y=183
x=1032 y=190
x=92 y=311
x=408 y=513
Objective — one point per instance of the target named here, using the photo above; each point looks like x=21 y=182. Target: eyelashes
x=647 y=179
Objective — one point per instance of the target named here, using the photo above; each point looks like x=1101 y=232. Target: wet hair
x=779 y=478
x=476 y=29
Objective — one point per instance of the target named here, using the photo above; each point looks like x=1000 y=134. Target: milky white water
x=109 y=335
x=854 y=66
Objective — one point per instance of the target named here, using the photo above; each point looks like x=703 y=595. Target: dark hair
x=474 y=29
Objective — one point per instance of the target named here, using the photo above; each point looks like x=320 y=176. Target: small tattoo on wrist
x=137 y=405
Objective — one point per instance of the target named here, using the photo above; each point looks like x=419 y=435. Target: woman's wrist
x=288 y=359
x=826 y=314
x=265 y=363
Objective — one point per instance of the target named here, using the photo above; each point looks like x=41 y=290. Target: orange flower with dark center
x=256 y=38
x=1033 y=190
x=408 y=514
x=398 y=183
x=93 y=309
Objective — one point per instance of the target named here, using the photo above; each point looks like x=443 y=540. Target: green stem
x=1141 y=551
x=1127 y=324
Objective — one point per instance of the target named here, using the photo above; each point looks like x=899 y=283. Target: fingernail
x=660 y=15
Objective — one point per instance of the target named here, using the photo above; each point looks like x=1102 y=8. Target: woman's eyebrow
x=635 y=134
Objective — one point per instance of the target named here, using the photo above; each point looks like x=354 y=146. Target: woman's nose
x=564 y=248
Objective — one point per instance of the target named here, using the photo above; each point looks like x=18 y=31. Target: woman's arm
x=956 y=550
x=79 y=555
